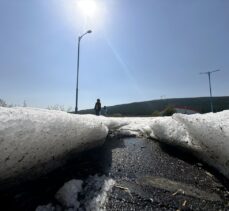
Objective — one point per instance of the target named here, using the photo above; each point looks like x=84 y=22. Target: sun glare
x=88 y=7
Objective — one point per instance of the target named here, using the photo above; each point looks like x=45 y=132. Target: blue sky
x=139 y=50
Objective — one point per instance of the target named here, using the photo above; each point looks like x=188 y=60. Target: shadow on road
x=188 y=157
x=126 y=160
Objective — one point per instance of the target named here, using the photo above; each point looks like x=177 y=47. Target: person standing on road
x=97 y=107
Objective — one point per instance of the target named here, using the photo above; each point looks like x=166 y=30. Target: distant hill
x=200 y=104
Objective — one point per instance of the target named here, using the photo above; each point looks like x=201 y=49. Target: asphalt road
x=148 y=177
x=154 y=177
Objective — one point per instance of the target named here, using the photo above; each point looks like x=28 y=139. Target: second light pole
x=78 y=65
x=210 y=87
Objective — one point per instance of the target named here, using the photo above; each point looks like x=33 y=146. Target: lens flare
x=88 y=7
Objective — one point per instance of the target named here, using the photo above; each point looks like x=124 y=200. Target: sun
x=88 y=7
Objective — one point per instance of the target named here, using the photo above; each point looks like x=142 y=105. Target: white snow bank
x=210 y=132
x=34 y=141
x=205 y=135
x=38 y=140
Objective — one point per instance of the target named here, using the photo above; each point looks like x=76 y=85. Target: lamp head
x=89 y=31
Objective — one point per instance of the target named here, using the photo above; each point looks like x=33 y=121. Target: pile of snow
x=35 y=141
x=207 y=136
x=93 y=196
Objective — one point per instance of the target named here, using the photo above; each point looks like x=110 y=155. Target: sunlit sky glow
x=88 y=7
x=138 y=50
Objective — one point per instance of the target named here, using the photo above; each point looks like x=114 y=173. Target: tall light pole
x=209 y=79
x=78 y=65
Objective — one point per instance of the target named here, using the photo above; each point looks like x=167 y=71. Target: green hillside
x=200 y=104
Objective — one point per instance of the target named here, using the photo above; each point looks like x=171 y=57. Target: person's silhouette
x=97 y=107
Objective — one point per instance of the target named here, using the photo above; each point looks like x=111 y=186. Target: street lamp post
x=78 y=64
x=210 y=88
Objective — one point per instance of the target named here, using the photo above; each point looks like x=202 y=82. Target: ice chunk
x=93 y=196
x=96 y=192
x=67 y=195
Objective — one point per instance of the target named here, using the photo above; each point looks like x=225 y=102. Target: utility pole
x=209 y=79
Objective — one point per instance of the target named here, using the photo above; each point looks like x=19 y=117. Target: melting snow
x=95 y=200
x=67 y=196
x=37 y=140
x=93 y=195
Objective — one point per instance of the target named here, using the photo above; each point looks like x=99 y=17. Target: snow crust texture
x=35 y=141
x=209 y=138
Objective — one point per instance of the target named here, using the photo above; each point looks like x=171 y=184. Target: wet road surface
x=151 y=177
x=148 y=176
